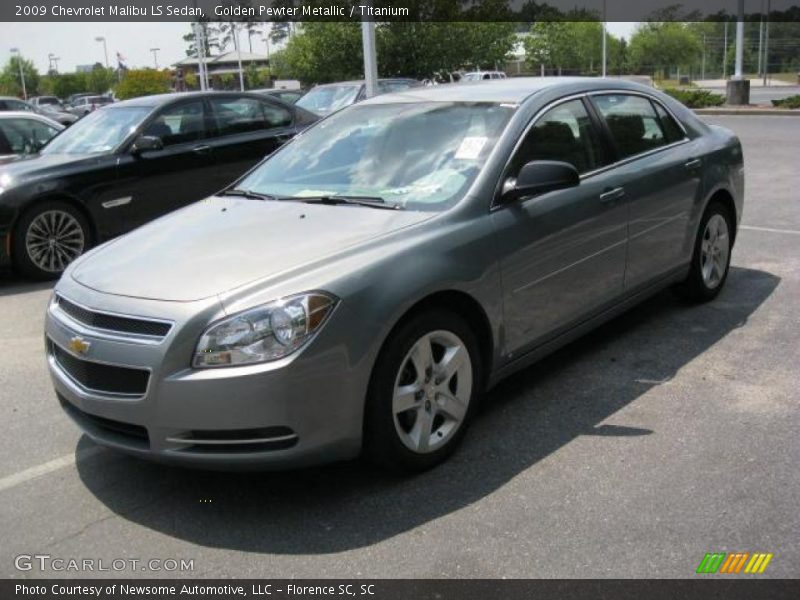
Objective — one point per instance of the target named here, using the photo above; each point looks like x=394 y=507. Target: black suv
x=128 y=163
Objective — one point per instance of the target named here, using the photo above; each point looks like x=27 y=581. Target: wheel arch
x=725 y=197
x=462 y=304
x=59 y=197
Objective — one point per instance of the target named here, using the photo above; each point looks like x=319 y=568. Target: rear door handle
x=612 y=194
x=201 y=149
x=693 y=163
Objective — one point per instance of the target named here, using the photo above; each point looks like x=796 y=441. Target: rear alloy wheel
x=48 y=238
x=423 y=392
x=712 y=255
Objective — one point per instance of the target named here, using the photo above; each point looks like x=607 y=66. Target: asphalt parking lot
x=668 y=433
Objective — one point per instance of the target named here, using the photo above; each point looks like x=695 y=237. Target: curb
x=753 y=112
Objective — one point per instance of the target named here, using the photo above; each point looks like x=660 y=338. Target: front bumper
x=304 y=409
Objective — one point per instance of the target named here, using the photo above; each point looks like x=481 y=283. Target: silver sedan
x=360 y=289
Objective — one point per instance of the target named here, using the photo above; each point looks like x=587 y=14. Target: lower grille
x=97 y=377
x=126 y=433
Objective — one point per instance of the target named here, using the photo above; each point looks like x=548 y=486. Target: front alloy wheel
x=48 y=237
x=423 y=391
x=432 y=391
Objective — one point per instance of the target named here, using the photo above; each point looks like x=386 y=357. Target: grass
x=671 y=84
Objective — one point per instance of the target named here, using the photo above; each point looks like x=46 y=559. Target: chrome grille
x=111 y=322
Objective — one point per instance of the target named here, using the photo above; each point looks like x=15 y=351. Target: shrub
x=143 y=82
x=696 y=98
x=790 y=102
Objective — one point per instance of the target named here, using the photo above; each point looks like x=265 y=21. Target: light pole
x=21 y=72
x=53 y=60
x=100 y=38
x=155 y=56
x=370 y=58
x=604 y=38
x=238 y=55
x=738 y=87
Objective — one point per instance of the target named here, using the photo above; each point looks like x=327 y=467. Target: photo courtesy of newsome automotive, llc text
x=400 y=299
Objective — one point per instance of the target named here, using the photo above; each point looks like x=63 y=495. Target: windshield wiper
x=371 y=201
x=249 y=194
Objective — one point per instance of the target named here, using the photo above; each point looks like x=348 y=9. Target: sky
x=74 y=43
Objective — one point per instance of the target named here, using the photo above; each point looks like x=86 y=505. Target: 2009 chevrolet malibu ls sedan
x=360 y=288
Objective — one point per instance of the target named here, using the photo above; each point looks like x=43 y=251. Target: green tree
x=69 y=83
x=100 y=79
x=323 y=52
x=658 y=46
x=142 y=82
x=210 y=39
x=420 y=49
x=191 y=80
x=10 y=82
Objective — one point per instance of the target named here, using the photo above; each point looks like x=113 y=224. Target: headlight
x=269 y=332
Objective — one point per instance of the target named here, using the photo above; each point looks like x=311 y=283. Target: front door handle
x=201 y=149
x=610 y=194
x=693 y=163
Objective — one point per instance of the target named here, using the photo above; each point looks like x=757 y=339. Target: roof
x=24 y=114
x=512 y=90
x=361 y=81
x=225 y=57
x=161 y=99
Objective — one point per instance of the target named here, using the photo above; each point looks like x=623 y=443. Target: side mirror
x=146 y=143
x=540 y=176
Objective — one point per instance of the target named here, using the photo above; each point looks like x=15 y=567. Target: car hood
x=35 y=166
x=222 y=243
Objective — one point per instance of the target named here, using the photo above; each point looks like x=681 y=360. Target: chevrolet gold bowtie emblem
x=79 y=345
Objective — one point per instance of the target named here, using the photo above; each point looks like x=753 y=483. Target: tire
x=711 y=258
x=443 y=400
x=71 y=237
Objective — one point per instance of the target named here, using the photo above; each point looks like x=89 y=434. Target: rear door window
x=240 y=115
x=672 y=130
x=634 y=125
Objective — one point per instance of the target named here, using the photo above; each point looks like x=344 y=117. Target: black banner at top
x=393 y=10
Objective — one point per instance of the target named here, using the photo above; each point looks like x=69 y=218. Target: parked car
x=482 y=76
x=45 y=110
x=24 y=133
x=73 y=97
x=330 y=97
x=85 y=104
x=360 y=288
x=57 y=114
x=40 y=101
x=129 y=163
x=288 y=96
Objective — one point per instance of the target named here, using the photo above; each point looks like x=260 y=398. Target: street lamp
x=155 y=56
x=100 y=38
x=53 y=60
x=21 y=72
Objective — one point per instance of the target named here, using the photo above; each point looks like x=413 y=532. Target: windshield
x=420 y=156
x=99 y=131
x=329 y=98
